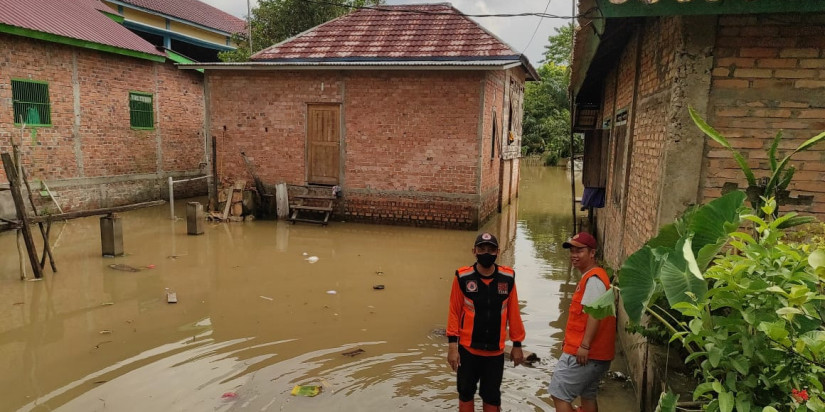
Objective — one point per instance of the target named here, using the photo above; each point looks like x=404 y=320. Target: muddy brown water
x=255 y=316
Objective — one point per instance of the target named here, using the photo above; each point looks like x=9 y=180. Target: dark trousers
x=474 y=368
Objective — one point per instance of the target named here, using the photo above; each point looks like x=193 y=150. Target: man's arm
x=583 y=353
x=453 y=319
x=516 y=327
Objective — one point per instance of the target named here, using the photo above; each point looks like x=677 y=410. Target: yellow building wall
x=197 y=33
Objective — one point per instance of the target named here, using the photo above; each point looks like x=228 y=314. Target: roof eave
x=406 y=65
x=56 y=38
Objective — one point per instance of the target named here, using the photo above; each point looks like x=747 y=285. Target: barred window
x=141 y=114
x=30 y=100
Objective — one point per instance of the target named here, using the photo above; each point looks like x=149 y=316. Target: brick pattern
x=769 y=75
x=624 y=232
x=660 y=46
x=410 y=138
x=104 y=145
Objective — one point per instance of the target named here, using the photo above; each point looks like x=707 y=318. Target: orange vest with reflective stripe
x=602 y=347
x=483 y=324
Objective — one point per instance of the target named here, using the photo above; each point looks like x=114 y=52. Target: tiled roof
x=435 y=31
x=75 y=19
x=194 y=11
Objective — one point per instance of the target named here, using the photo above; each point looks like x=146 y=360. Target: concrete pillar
x=194 y=223
x=111 y=235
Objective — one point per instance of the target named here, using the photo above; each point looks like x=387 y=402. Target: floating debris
x=171 y=297
x=618 y=376
x=124 y=268
x=229 y=395
x=150 y=266
x=18 y=303
x=102 y=343
x=107 y=303
x=378 y=287
x=353 y=353
x=266 y=297
x=312 y=259
x=105 y=332
x=331 y=292
x=306 y=390
x=99 y=382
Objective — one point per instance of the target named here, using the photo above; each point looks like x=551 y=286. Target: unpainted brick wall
x=769 y=75
x=626 y=225
x=411 y=139
x=103 y=144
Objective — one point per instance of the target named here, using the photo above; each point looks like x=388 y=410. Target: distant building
x=414 y=111
x=189 y=27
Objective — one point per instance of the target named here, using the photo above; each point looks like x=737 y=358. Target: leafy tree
x=547 y=113
x=558 y=50
x=274 y=21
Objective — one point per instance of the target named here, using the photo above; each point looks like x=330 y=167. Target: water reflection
x=255 y=318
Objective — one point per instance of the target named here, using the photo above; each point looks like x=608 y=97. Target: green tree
x=274 y=21
x=558 y=49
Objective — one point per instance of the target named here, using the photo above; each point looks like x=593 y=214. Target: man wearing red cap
x=588 y=342
x=483 y=306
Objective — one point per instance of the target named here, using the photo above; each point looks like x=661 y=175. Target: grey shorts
x=570 y=379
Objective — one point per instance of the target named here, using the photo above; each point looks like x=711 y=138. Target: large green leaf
x=712 y=223
x=804 y=146
x=680 y=275
x=716 y=136
x=817 y=258
x=602 y=307
x=667 y=237
x=636 y=281
x=667 y=402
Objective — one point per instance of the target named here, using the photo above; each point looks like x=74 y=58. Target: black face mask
x=486 y=259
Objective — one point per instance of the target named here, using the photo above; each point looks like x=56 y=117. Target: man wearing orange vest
x=588 y=342
x=483 y=303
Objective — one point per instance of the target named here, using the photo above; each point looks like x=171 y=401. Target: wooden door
x=323 y=143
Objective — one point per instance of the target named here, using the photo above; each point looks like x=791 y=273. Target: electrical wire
x=396 y=9
x=537 y=27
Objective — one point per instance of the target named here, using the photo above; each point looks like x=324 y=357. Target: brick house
x=414 y=111
x=637 y=68
x=108 y=116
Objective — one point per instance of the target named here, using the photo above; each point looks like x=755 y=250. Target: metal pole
x=249 y=24
x=171 y=198
x=572 y=101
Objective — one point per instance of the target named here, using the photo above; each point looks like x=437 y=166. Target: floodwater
x=264 y=306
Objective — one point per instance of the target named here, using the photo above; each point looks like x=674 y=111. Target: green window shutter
x=30 y=100
x=141 y=111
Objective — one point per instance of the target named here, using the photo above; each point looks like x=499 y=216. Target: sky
x=515 y=31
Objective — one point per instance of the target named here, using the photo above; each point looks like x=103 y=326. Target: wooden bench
x=325 y=208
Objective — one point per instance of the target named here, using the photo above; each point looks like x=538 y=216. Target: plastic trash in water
x=265 y=297
x=171 y=296
x=229 y=395
x=312 y=259
x=305 y=253
x=150 y=266
x=331 y=292
x=306 y=390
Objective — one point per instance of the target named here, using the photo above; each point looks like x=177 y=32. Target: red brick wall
x=411 y=139
x=105 y=162
x=769 y=75
x=625 y=230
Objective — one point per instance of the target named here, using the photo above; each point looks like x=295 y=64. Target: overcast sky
x=516 y=31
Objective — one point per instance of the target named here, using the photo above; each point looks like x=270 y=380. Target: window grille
x=30 y=100
x=141 y=113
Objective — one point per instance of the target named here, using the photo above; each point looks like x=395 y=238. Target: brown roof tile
x=195 y=12
x=435 y=31
x=75 y=19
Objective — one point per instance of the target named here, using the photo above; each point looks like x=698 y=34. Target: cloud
x=515 y=31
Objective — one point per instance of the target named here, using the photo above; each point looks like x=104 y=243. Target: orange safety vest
x=603 y=345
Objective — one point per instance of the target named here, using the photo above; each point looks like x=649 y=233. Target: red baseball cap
x=582 y=239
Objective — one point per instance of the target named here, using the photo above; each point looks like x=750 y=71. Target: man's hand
x=452 y=356
x=581 y=355
x=517 y=356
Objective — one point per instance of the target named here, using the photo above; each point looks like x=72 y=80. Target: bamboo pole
x=20 y=207
x=47 y=249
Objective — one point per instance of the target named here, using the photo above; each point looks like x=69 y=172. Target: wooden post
x=47 y=249
x=111 y=235
x=20 y=206
x=194 y=218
